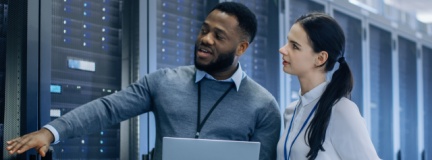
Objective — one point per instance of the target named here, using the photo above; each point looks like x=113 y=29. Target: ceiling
x=422 y=8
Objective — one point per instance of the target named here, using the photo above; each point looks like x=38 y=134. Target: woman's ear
x=242 y=48
x=321 y=58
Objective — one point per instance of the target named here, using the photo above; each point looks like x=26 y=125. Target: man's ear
x=321 y=58
x=241 y=48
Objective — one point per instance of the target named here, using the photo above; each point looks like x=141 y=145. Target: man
x=214 y=99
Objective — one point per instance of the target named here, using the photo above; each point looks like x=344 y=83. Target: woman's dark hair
x=325 y=34
x=245 y=17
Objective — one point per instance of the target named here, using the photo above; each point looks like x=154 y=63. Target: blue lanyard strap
x=289 y=130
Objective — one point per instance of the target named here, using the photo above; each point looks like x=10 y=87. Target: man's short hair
x=245 y=17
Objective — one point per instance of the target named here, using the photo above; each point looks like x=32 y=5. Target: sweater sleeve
x=106 y=111
x=349 y=134
x=267 y=130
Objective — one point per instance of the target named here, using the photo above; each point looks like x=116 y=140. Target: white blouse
x=347 y=137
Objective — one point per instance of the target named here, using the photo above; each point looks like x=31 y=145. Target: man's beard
x=222 y=63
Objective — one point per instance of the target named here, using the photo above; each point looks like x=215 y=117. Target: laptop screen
x=208 y=149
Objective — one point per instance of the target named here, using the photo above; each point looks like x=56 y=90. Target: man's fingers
x=42 y=151
x=13 y=144
x=12 y=140
x=9 y=145
x=22 y=145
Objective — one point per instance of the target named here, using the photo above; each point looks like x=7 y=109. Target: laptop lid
x=208 y=149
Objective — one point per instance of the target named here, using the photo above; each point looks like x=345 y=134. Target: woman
x=323 y=124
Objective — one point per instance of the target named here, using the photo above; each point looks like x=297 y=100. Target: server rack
x=3 y=28
x=381 y=91
x=86 y=54
x=20 y=107
x=408 y=97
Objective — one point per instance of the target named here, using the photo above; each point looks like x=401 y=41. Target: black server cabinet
x=3 y=28
x=85 y=65
x=408 y=98
x=380 y=48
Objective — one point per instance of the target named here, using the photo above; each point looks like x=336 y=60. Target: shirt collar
x=313 y=94
x=237 y=77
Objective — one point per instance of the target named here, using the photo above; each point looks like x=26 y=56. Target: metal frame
x=129 y=135
x=31 y=97
x=148 y=64
x=284 y=79
x=420 y=101
x=426 y=146
x=45 y=62
x=396 y=91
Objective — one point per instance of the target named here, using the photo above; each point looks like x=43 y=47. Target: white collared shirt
x=346 y=136
x=237 y=77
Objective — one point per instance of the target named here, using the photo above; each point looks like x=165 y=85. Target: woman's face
x=297 y=55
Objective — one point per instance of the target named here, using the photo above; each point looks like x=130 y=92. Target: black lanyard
x=200 y=125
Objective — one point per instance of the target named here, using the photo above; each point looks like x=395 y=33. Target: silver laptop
x=208 y=149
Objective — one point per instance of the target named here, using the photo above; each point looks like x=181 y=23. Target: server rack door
x=381 y=91
x=85 y=65
x=408 y=98
x=352 y=28
x=3 y=27
x=19 y=117
x=296 y=9
x=427 y=76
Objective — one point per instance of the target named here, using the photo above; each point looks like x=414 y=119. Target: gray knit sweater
x=250 y=114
